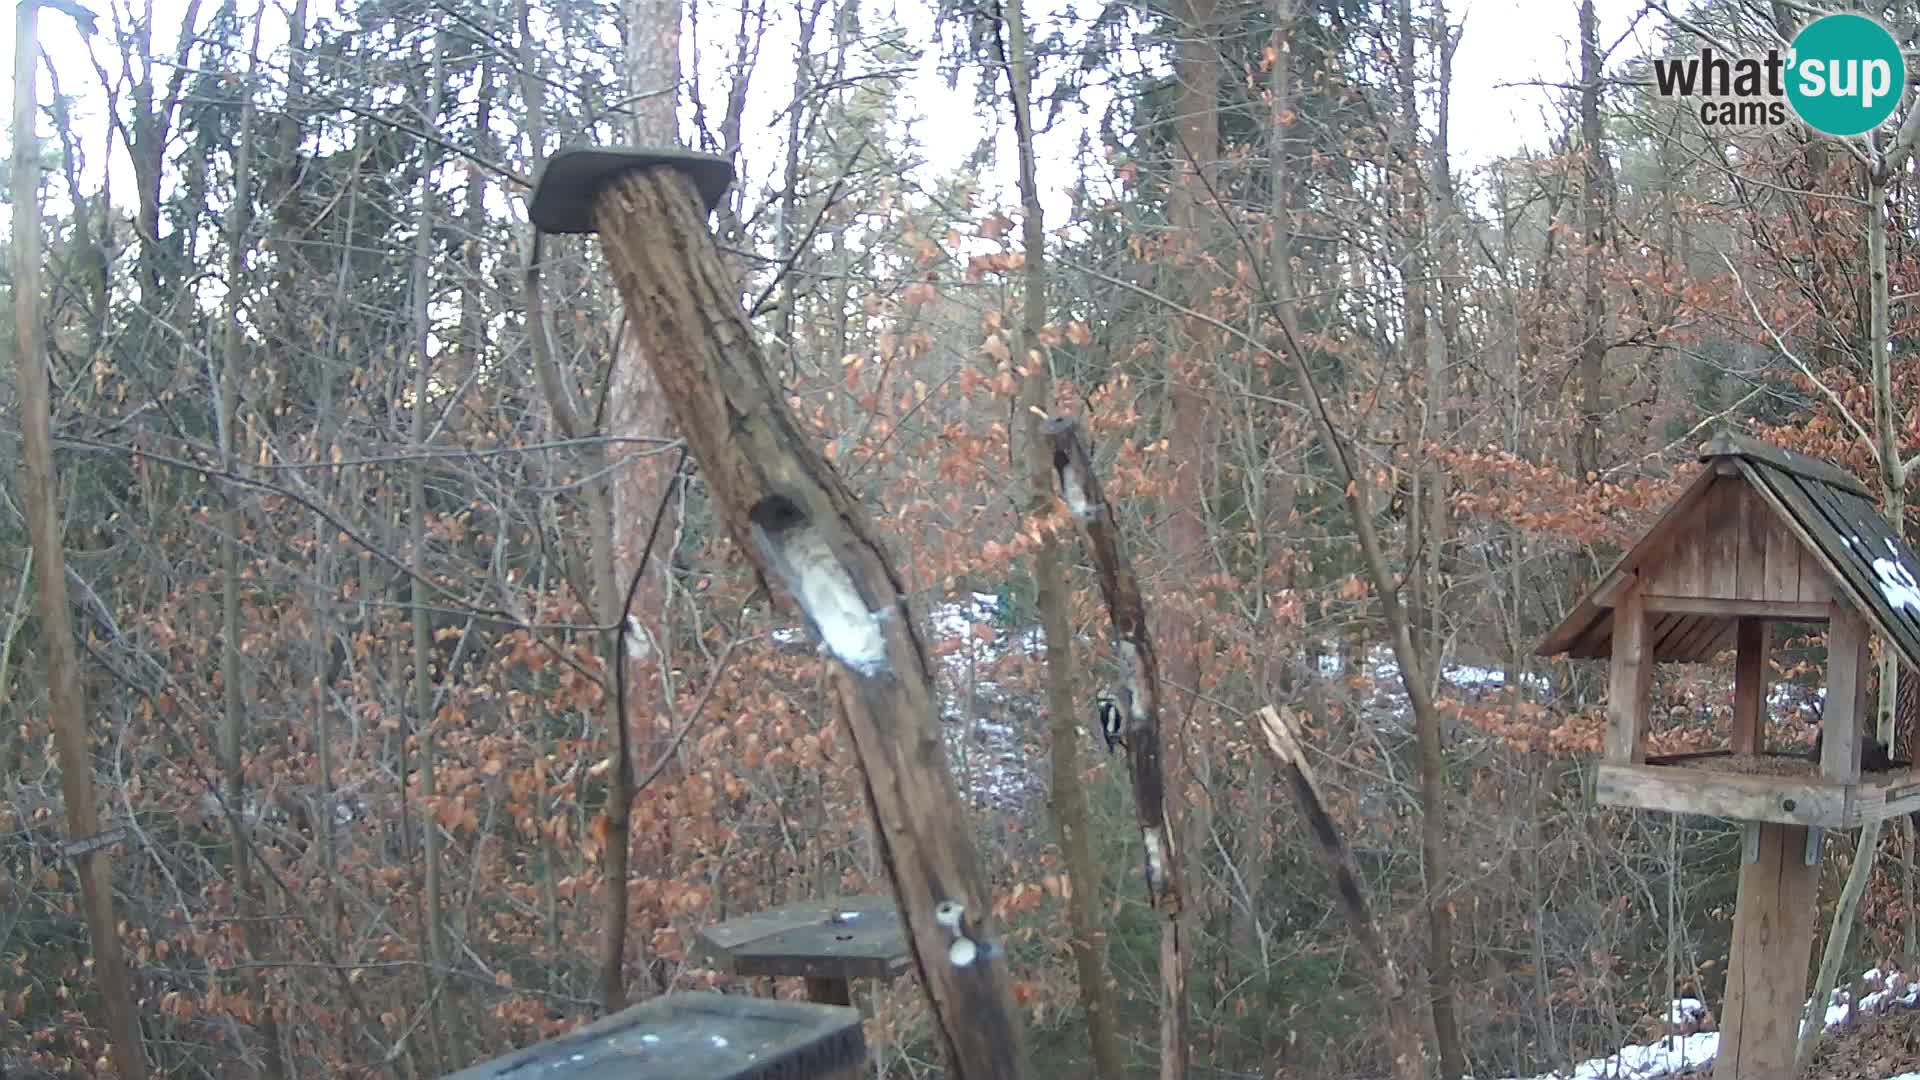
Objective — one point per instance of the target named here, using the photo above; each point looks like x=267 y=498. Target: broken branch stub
x=1140 y=691
x=1403 y=1036
x=785 y=506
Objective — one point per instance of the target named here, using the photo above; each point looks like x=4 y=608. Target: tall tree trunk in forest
x=472 y=346
x=232 y=742
x=636 y=409
x=423 y=706
x=1356 y=486
x=1888 y=419
x=280 y=177
x=781 y=354
x=153 y=109
x=1447 y=261
x=1069 y=797
x=1281 y=490
x=567 y=421
x=568 y=418
x=1410 y=200
x=67 y=702
x=1596 y=208
x=1427 y=353
x=1353 y=479
x=1196 y=70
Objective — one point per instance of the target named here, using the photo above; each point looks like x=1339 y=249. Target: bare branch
x=1780 y=344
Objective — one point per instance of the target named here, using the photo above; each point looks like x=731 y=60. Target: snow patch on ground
x=1467 y=676
x=1385 y=668
x=1644 y=1061
x=1664 y=1058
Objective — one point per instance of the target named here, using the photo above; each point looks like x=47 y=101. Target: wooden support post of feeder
x=696 y=1037
x=791 y=513
x=1762 y=535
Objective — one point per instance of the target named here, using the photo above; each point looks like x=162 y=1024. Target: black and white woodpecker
x=1113 y=723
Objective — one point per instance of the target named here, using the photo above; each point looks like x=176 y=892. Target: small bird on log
x=1112 y=724
x=1874 y=756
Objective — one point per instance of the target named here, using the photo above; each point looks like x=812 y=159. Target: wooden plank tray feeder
x=1762 y=536
x=828 y=943
x=695 y=1037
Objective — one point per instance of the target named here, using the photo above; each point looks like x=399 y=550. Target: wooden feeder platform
x=826 y=942
x=1784 y=788
x=695 y=1037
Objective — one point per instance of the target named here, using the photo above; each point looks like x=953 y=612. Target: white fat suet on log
x=813 y=574
x=639 y=642
x=1156 y=860
x=962 y=952
x=1133 y=690
x=1073 y=489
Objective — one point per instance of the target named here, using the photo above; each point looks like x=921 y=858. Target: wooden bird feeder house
x=1762 y=536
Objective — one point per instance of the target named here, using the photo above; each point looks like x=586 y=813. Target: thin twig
x=1781 y=344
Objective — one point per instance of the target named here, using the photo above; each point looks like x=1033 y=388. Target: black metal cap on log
x=564 y=191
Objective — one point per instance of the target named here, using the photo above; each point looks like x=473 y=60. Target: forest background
x=350 y=500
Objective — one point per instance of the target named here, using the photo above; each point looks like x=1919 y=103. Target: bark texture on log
x=1140 y=687
x=781 y=501
x=1140 y=701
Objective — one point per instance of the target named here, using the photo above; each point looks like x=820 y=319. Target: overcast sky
x=1506 y=45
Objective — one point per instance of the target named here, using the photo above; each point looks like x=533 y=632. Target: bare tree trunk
x=782 y=358
x=1893 y=484
x=567 y=418
x=423 y=706
x=232 y=742
x=1427 y=348
x=621 y=518
x=471 y=350
x=1595 y=207
x=1197 y=129
x=1069 y=796
x=1888 y=418
x=1426 y=717
x=68 y=704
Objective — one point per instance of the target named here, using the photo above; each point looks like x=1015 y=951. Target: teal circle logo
x=1846 y=74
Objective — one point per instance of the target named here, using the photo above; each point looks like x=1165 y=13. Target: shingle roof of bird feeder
x=1809 y=531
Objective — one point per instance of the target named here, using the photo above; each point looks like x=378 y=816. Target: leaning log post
x=1140 y=688
x=1140 y=704
x=784 y=505
x=1403 y=1034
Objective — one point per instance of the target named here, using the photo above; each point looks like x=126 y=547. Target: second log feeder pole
x=787 y=509
x=1762 y=535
